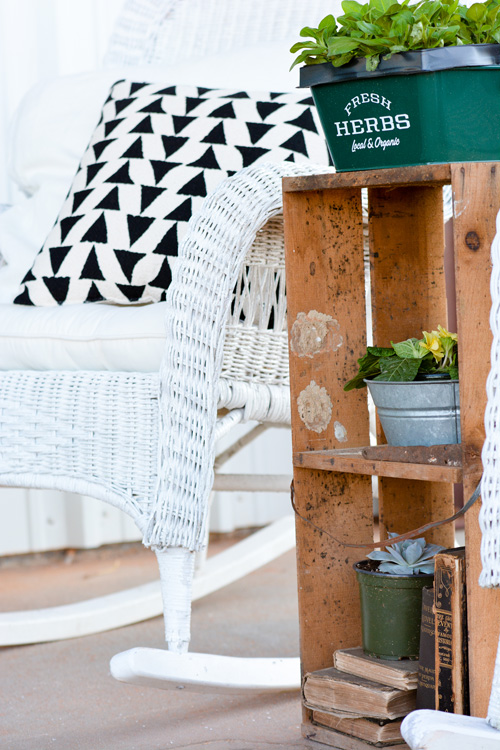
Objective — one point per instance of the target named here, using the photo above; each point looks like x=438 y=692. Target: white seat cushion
x=82 y=337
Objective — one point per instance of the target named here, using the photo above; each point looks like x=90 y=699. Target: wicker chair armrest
x=198 y=300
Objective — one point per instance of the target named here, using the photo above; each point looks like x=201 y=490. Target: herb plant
x=406 y=558
x=436 y=352
x=380 y=28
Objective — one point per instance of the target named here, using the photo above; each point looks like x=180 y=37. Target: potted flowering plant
x=397 y=84
x=390 y=586
x=414 y=385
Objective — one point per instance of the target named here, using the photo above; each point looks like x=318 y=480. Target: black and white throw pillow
x=156 y=153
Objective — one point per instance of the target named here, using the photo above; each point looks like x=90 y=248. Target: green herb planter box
x=429 y=106
x=391 y=610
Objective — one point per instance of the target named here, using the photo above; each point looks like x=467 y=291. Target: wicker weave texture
x=489 y=517
x=214 y=249
x=81 y=432
x=168 y=32
x=146 y=442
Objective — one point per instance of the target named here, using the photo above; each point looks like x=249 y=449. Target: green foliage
x=380 y=28
x=406 y=558
x=435 y=352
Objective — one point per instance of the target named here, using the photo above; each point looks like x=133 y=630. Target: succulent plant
x=406 y=558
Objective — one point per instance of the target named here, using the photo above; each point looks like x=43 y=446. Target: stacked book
x=360 y=702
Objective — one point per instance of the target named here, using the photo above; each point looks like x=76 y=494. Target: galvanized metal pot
x=391 y=610
x=423 y=412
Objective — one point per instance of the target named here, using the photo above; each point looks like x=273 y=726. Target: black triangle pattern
x=258 y=130
x=68 y=224
x=99 y=147
x=305 y=121
x=98 y=232
x=121 y=104
x=168 y=245
x=57 y=256
x=93 y=170
x=128 y=261
x=94 y=294
x=91 y=268
x=111 y=125
x=164 y=277
x=196 y=186
x=155 y=155
x=227 y=110
x=180 y=122
x=58 y=287
x=137 y=225
x=182 y=212
x=216 y=135
x=144 y=126
x=148 y=195
x=155 y=107
x=79 y=196
x=134 y=151
x=121 y=176
x=207 y=160
x=111 y=201
x=161 y=168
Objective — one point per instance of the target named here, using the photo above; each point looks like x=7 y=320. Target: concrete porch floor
x=61 y=695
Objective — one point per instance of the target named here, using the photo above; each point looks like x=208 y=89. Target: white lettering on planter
x=402 y=122
x=365 y=99
x=373 y=124
x=365 y=126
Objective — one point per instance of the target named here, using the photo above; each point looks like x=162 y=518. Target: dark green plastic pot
x=424 y=107
x=391 y=610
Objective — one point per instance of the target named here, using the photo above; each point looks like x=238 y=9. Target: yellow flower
x=446 y=334
x=432 y=343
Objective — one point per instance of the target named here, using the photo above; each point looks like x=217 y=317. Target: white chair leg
x=144 y=602
x=176 y=577
x=166 y=670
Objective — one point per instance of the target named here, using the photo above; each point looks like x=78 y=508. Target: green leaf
x=352 y=7
x=326 y=22
x=477 y=12
x=342 y=44
x=393 y=369
x=380 y=351
x=409 y=349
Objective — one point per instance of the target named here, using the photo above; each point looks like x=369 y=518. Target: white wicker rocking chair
x=436 y=730
x=146 y=443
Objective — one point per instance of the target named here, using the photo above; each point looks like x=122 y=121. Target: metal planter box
x=423 y=107
x=418 y=413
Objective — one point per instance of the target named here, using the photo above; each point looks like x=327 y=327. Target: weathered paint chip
x=340 y=432
x=313 y=333
x=315 y=407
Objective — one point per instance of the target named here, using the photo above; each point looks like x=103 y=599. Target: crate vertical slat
x=325 y=258
x=406 y=229
x=476 y=189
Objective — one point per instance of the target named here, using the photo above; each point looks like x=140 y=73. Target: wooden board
x=476 y=190
x=357 y=464
x=428 y=175
x=323 y=236
x=406 y=232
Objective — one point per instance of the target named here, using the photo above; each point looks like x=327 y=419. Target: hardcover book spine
x=450 y=604
x=426 y=681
